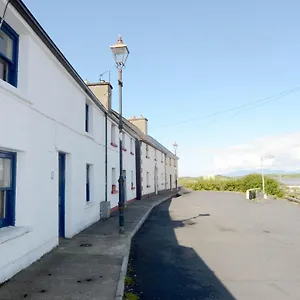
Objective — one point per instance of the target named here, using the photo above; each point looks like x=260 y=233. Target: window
x=147 y=180
x=132 y=181
x=114 y=181
x=9 y=44
x=7 y=179
x=131 y=146
x=113 y=135
x=124 y=141
x=170 y=161
x=162 y=157
x=88 y=183
x=162 y=178
x=147 y=151
x=87 y=117
x=155 y=155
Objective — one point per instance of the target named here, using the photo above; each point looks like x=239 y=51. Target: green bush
x=272 y=187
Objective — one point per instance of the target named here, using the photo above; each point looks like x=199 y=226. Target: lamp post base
x=121 y=230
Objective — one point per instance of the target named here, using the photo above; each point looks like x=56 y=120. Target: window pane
x=113 y=176
x=113 y=134
x=6 y=45
x=86 y=117
x=87 y=173
x=2 y=204
x=5 y=173
x=123 y=139
x=87 y=196
x=3 y=70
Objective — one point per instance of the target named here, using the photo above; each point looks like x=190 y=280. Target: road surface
x=208 y=245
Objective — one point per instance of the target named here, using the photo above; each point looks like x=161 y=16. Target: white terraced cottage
x=58 y=154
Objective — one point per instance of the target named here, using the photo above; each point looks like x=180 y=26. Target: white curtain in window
x=6 y=45
x=5 y=173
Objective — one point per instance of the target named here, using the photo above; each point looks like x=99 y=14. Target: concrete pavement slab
x=89 y=266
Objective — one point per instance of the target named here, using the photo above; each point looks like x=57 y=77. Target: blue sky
x=190 y=59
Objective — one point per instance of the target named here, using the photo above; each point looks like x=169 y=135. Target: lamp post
x=262 y=173
x=175 y=148
x=175 y=151
x=120 y=53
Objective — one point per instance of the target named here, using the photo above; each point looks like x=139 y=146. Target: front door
x=125 y=186
x=61 y=193
x=170 y=182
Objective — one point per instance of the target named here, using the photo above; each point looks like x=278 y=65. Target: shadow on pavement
x=164 y=269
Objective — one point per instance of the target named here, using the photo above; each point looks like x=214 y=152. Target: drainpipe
x=106 y=157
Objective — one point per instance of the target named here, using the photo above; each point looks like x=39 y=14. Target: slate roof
x=145 y=138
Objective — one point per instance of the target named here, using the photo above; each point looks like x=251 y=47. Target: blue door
x=61 y=192
x=7 y=188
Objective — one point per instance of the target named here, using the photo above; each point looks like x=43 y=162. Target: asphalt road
x=208 y=245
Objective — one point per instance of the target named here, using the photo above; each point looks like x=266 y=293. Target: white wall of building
x=113 y=162
x=43 y=115
x=154 y=161
x=171 y=172
x=148 y=168
x=160 y=164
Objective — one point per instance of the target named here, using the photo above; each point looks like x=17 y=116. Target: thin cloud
x=285 y=148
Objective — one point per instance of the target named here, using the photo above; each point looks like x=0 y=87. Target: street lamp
x=175 y=151
x=262 y=173
x=120 y=53
x=175 y=147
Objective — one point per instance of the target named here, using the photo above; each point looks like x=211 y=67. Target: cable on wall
x=4 y=13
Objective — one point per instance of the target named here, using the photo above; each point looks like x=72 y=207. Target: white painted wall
x=164 y=170
x=44 y=115
x=170 y=170
x=149 y=164
x=113 y=162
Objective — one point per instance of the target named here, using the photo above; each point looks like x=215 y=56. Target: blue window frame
x=7 y=188
x=87 y=188
x=9 y=49
x=87 y=117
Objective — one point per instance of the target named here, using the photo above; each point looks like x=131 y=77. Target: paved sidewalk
x=92 y=265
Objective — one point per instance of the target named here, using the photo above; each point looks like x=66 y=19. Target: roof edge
x=22 y=9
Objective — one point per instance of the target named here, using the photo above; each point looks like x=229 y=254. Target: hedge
x=242 y=184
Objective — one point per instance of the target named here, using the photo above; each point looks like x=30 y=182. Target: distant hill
x=266 y=171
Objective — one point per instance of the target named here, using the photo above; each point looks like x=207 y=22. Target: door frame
x=61 y=194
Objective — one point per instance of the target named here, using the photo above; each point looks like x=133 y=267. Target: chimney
x=102 y=91
x=141 y=123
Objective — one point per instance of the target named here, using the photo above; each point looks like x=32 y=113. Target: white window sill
x=13 y=91
x=12 y=232
x=89 y=204
x=89 y=135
